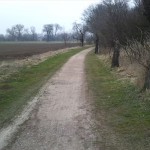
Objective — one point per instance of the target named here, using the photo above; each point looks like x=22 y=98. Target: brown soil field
x=11 y=50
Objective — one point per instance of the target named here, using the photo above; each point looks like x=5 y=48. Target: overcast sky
x=39 y=12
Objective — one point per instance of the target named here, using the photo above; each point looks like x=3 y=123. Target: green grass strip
x=21 y=86
x=126 y=111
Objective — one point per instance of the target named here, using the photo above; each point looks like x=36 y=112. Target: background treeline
x=115 y=25
x=50 y=32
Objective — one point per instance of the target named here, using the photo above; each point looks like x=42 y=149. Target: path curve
x=61 y=120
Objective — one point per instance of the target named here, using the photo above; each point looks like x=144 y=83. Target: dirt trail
x=62 y=119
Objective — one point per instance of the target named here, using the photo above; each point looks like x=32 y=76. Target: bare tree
x=51 y=31
x=33 y=33
x=57 y=28
x=80 y=31
x=16 y=32
x=48 y=30
x=65 y=37
x=11 y=33
x=105 y=21
x=26 y=35
x=19 y=28
x=117 y=19
x=92 y=17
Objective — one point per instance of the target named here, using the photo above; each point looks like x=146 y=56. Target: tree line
x=18 y=32
x=50 y=32
x=116 y=25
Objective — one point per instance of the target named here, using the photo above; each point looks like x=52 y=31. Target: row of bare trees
x=19 y=33
x=50 y=32
x=116 y=25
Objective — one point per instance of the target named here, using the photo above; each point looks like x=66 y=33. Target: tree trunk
x=82 y=40
x=97 y=44
x=65 y=43
x=116 y=54
x=147 y=80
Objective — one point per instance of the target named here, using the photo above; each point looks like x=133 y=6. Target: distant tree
x=16 y=32
x=79 y=32
x=19 y=28
x=65 y=37
x=40 y=37
x=26 y=35
x=48 y=30
x=2 y=37
x=116 y=23
x=51 y=31
x=11 y=33
x=57 y=28
x=33 y=34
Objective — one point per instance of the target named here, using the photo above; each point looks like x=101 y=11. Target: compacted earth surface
x=62 y=118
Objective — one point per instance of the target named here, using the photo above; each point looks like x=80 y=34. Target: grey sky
x=39 y=12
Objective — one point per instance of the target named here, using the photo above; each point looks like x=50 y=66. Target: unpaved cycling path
x=62 y=119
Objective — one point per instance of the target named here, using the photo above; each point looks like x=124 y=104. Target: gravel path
x=62 y=119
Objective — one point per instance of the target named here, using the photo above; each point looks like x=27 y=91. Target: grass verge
x=125 y=110
x=18 y=89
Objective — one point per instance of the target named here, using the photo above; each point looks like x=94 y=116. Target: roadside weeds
x=120 y=109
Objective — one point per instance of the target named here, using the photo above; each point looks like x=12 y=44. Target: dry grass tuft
x=128 y=70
